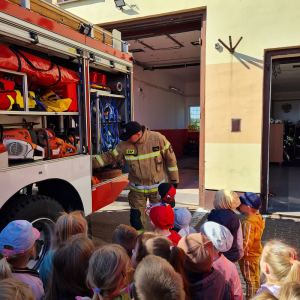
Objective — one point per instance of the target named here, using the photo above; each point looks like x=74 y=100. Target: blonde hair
x=264 y=296
x=13 y=289
x=13 y=260
x=107 y=270
x=282 y=260
x=155 y=279
x=69 y=224
x=226 y=199
x=289 y=291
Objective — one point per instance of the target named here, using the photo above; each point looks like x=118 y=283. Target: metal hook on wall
x=230 y=49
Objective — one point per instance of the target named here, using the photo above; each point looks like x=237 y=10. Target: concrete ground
x=284 y=181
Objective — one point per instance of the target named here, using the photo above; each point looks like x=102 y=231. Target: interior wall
x=156 y=106
x=162 y=110
x=278 y=113
x=159 y=108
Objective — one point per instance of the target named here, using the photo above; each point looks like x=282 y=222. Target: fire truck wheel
x=39 y=210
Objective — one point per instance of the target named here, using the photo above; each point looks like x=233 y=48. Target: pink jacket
x=228 y=269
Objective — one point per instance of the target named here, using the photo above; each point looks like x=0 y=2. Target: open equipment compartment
x=50 y=128
x=110 y=109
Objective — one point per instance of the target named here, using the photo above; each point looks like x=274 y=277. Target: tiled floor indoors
x=285 y=182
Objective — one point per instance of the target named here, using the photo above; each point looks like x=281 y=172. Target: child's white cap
x=220 y=236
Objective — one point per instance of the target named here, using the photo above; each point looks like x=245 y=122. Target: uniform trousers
x=250 y=272
x=137 y=202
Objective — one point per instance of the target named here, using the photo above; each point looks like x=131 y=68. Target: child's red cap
x=162 y=216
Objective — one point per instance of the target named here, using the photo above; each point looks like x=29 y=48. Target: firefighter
x=151 y=161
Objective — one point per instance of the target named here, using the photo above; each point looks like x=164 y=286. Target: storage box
x=4 y=160
x=67 y=91
x=97 y=78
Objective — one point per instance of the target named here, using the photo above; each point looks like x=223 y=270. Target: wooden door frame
x=202 y=110
x=269 y=55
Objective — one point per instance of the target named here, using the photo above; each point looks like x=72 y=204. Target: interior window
x=195 y=117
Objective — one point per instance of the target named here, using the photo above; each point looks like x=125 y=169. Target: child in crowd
x=205 y=282
x=225 y=202
x=182 y=220
x=155 y=279
x=140 y=250
x=162 y=247
x=68 y=224
x=17 y=245
x=222 y=240
x=252 y=227
x=166 y=194
x=162 y=218
x=107 y=273
x=289 y=291
x=13 y=289
x=126 y=237
x=280 y=265
x=264 y=296
x=70 y=265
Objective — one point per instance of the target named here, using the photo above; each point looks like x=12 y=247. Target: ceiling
x=189 y=74
x=167 y=51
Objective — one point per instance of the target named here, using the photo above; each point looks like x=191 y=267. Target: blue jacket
x=46 y=268
x=212 y=287
x=229 y=219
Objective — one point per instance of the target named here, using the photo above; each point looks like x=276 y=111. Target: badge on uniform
x=171 y=149
x=155 y=148
x=129 y=151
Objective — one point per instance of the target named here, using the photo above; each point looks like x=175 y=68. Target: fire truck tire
x=39 y=210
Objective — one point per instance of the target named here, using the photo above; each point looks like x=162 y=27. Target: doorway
x=168 y=51
x=281 y=133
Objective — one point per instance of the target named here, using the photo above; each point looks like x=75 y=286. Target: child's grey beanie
x=182 y=217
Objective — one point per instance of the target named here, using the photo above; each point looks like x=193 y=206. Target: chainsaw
x=21 y=144
x=53 y=146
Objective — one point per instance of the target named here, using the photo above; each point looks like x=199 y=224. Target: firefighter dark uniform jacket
x=151 y=161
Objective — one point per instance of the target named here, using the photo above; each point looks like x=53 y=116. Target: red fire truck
x=46 y=143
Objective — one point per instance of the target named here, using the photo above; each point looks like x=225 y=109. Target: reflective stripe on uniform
x=143 y=156
x=166 y=147
x=115 y=152
x=145 y=188
x=172 y=169
x=100 y=161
